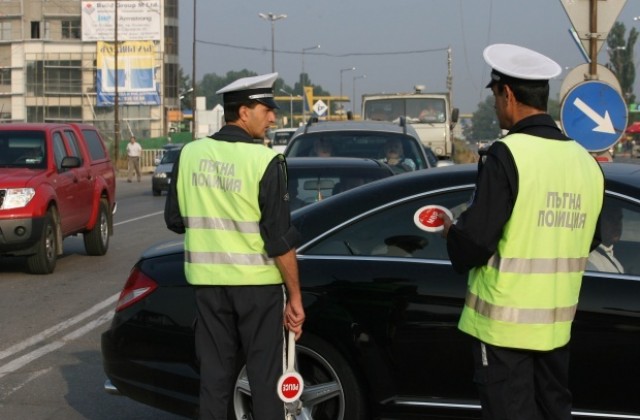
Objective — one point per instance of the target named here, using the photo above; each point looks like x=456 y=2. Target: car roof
x=351 y=125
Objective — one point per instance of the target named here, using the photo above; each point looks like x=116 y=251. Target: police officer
x=524 y=241
x=229 y=197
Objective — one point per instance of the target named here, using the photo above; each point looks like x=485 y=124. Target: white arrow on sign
x=604 y=124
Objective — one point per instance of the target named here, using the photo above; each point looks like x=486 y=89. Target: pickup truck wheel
x=96 y=241
x=44 y=260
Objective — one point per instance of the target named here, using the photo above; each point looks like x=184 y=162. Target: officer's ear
x=243 y=112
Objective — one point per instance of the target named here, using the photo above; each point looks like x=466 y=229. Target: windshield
x=170 y=156
x=417 y=110
x=24 y=149
x=362 y=144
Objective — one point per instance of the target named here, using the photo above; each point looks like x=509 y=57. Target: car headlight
x=15 y=198
x=160 y=175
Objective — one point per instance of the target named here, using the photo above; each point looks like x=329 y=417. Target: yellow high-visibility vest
x=218 y=188
x=527 y=294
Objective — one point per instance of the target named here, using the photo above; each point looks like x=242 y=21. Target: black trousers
x=522 y=384
x=233 y=319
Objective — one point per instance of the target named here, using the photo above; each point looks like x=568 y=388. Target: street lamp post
x=272 y=17
x=342 y=71
x=353 y=103
x=315 y=47
x=290 y=106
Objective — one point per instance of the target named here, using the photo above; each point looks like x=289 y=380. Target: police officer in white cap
x=524 y=242
x=229 y=197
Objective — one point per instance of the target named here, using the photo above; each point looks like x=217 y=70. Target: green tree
x=621 y=61
x=484 y=124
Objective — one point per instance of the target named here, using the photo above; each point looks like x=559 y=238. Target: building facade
x=58 y=64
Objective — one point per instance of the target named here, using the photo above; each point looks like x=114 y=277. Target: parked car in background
x=382 y=304
x=165 y=148
x=56 y=180
x=313 y=179
x=161 y=177
x=280 y=138
x=363 y=139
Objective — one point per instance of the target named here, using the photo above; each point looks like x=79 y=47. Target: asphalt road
x=50 y=360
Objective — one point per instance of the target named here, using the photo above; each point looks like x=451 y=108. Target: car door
x=83 y=181
x=64 y=181
x=393 y=284
x=605 y=342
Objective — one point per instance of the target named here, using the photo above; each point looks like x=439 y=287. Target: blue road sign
x=594 y=114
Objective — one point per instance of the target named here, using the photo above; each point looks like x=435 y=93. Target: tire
x=96 y=241
x=331 y=390
x=45 y=258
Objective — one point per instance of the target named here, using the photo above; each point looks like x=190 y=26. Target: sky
x=395 y=44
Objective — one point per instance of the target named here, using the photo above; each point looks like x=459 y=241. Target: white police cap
x=519 y=64
x=255 y=88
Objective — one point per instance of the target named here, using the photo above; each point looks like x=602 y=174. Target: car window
x=356 y=144
x=282 y=137
x=620 y=232
x=73 y=143
x=59 y=152
x=170 y=156
x=23 y=149
x=94 y=144
x=309 y=186
x=392 y=232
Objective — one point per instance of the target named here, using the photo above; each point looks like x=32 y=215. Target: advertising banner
x=137 y=84
x=137 y=20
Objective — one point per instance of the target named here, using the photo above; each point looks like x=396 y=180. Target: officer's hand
x=447 y=224
x=294 y=317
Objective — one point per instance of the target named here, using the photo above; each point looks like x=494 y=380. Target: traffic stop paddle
x=290 y=385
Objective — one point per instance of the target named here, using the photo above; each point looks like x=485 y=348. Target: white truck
x=430 y=114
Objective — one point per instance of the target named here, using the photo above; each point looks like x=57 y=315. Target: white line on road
x=41 y=351
x=57 y=328
x=138 y=218
x=23 y=360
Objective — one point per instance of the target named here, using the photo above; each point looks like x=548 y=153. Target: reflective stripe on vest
x=526 y=295
x=218 y=188
x=520 y=315
x=226 y=258
x=221 y=224
x=537 y=265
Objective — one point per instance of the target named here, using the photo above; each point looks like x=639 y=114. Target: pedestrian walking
x=525 y=241
x=229 y=196
x=134 y=152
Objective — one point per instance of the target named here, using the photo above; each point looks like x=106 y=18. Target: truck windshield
x=22 y=149
x=417 y=110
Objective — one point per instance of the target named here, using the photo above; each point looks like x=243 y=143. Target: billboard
x=137 y=20
x=137 y=78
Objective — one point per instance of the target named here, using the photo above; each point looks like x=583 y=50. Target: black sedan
x=382 y=304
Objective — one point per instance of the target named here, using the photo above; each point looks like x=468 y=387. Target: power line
x=325 y=54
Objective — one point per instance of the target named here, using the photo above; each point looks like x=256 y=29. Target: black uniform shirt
x=278 y=234
x=475 y=236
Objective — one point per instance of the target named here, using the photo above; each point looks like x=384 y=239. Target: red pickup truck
x=56 y=180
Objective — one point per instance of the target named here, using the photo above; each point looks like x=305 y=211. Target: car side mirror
x=69 y=162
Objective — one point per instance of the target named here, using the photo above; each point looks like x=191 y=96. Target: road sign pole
x=593 y=41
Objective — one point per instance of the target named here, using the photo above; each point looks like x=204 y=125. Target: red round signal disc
x=426 y=218
x=290 y=387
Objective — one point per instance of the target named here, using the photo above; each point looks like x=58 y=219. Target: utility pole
x=116 y=99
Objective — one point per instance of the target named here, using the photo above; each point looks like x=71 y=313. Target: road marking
x=25 y=359
x=21 y=361
x=57 y=328
x=138 y=218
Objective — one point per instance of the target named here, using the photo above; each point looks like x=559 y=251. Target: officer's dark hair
x=232 y=109
x=535 y=95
